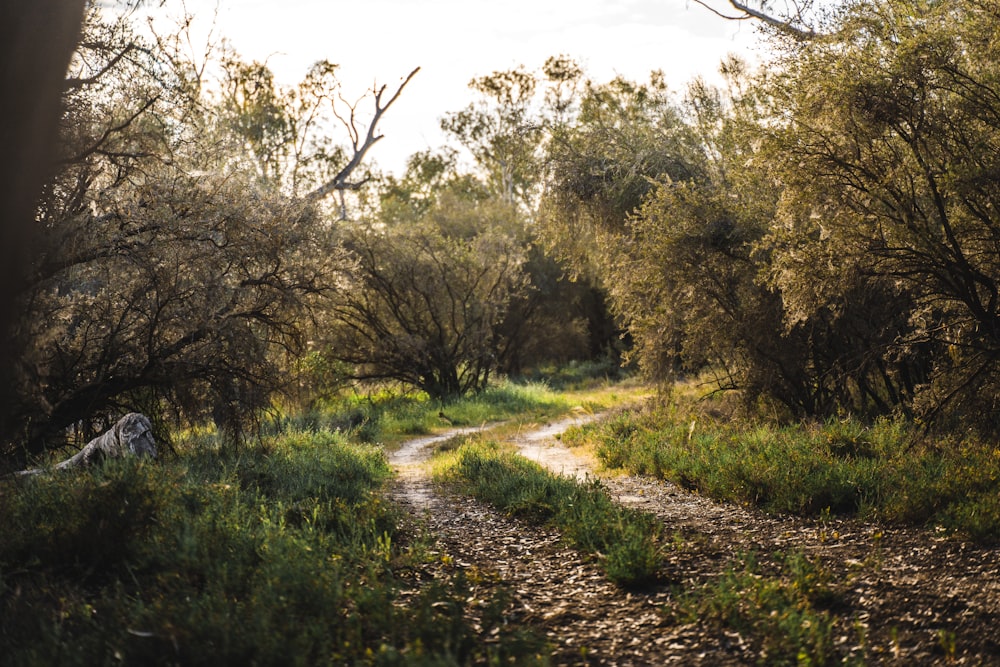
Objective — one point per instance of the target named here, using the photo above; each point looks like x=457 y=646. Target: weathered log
x=132 y=435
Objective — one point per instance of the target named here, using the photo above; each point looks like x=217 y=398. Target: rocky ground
x=906 y=596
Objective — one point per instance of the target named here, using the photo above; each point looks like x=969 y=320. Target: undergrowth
x=386 y=416
x=884 y=471
x=284 y=553
x=786 y=615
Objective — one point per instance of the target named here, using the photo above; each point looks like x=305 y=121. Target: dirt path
x=916 y=596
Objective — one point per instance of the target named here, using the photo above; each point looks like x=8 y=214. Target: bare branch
x=79 y=82
x=341 y=181
x=787 y=26
x=715 y=11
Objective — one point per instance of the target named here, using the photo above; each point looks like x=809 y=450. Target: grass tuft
x=284 y=553
x=785 y=614
x=627 y=542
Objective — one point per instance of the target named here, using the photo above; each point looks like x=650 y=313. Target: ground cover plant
x=884 y=470
x=626 y=541
x=281 y=553
x=386 y=415
x=786 y=614
x=785 y=607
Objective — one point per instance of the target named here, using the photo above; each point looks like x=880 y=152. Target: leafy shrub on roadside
x=285 y=553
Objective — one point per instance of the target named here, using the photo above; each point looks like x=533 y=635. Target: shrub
x=282 y=553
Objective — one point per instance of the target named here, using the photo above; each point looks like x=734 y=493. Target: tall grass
x=886 y=470
x=627 y=542
x=283 y=554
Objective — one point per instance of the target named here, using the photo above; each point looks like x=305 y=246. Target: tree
x=604 y=160
x=553 y=318
x=171 y=278
x=429 y=177
x=287 y=134
x=888 y=153
x=792 y=18
x=422 y=302
x=37 y=40
x=502 y=133
x=684 y=275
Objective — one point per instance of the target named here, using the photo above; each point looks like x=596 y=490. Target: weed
x=784 y=614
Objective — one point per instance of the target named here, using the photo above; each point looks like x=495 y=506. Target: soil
x=905 y=596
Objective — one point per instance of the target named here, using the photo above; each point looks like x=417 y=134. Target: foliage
x=386 y=416
x=183 y=251
x=423 y=303
x=501 y=133
x=819 y=233
x=281 y=553
x=604 y=159
x=626 y=541
x=785 y=615
x=554 y=318
x=887 y=151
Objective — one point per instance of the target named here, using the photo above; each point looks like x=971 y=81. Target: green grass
x=886 y=470
x=386 y=417
x=627 y=542
x=283 y=554
x=786 y=615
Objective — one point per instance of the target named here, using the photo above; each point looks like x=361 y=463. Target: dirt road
x=908 y=596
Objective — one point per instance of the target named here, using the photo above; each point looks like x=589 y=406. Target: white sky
x=381 y=41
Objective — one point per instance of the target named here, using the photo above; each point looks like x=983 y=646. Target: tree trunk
x=132 y=435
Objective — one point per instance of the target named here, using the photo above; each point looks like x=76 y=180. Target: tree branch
x=79 y=82
x=341 y=181
x=786 y=26
x=96 y=146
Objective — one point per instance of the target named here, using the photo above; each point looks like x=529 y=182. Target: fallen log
x=132 y=435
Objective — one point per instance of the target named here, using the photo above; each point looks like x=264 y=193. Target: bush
x=284 y=553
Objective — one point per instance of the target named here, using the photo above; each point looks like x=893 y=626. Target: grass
x=885 y=470
x=385 y=416
x=787 y=612
x=286 y=552
x=283 y=554
x=388 y=417
x=627 y=543
x=786 y=615
x=283 y=551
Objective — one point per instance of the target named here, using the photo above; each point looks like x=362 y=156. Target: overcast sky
x=453 y=41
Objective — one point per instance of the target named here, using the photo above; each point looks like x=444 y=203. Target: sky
x=378 y=42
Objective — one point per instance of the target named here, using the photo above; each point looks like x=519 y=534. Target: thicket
x=206 y=247
x=820 y=234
